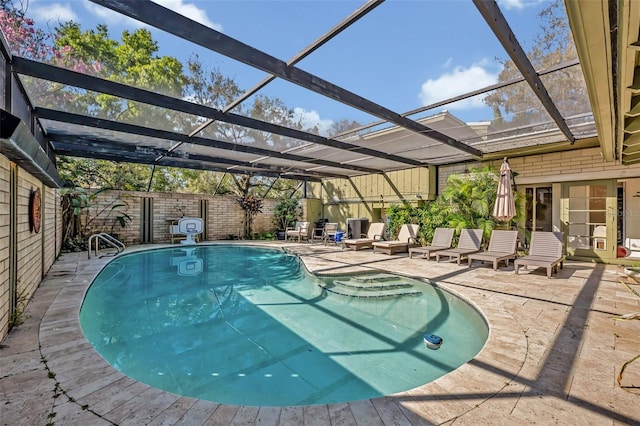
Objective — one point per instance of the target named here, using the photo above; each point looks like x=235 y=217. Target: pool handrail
x=107 y=239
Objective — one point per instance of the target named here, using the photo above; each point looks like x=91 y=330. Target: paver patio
x=552 y=356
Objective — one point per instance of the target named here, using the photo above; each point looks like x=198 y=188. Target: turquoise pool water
x=249 y=326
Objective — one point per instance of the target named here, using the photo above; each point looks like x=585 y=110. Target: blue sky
x=402 y=55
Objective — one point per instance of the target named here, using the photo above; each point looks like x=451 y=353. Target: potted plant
x=285 y=214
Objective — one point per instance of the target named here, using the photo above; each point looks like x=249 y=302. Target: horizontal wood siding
x=30 y=253
x=4 y=245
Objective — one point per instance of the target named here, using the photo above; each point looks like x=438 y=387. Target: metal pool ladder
x=108 y=240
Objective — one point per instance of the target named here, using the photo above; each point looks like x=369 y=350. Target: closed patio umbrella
x=505 y=207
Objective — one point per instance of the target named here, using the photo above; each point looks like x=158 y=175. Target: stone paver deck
x=552 y=356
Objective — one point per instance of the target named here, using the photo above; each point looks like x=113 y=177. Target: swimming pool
x=248 y=325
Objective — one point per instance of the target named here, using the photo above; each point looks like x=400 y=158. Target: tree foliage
x=286 y=212
x=133 y=59
x=343 y=126
x=466 y=202
x=78 y=223
x=92 y=173
x=517 y=105
x=23 y=37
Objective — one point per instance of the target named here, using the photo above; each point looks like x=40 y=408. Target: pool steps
x=373 y=285
x=377 y=286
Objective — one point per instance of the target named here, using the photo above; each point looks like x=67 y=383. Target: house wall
x=25 y=256
x=560 y=168
x=367 y=196
x=566 y=166
x=28 y=260
x=4 y=245
x=29 y=244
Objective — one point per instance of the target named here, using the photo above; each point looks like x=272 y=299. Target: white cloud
x=52 y=12
x=191 y=11
x=311 y=119
x=107 y=16
x=511 y=4
x=518 y=4
x=458 y=81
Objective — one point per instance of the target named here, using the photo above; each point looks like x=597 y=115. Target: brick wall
x=225 y=217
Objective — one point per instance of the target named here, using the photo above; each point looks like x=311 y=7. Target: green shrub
x=466 y=202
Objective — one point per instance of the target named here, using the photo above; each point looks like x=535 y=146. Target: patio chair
x=407 y=237
x=545 y=251
x=329 y=233
x=375 y=232
x=470 y=240
x=299 y=231
x=502 y=246
x=442 y=238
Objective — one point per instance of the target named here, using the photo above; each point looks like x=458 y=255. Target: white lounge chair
x=469 y=242
x=502 y=246
x=545 y=251
x=407 y=237
x=299 y=231
x=375 y=232
x=442 y=238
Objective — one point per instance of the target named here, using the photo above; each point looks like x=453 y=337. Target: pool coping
x=60 y=334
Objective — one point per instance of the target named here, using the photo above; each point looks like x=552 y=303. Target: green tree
x=399 y=214
x=517 y=105
x=132 y=60
x=23 y=37
x=92 y=173
x=468 y=200
x=212 y=88
x=286 y=212
x=78 y=223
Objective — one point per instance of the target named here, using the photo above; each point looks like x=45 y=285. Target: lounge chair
x=502 y=246
x=442 y=238
x=545 y=251
x=299 y=231
x=407 y=237
x=375 y=232
x=470 y=240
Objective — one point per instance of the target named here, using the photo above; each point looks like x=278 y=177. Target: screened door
x=589 y=215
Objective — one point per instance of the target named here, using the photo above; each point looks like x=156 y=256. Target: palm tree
x=469 y=199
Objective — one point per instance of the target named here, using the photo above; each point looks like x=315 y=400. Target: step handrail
x=107 y=239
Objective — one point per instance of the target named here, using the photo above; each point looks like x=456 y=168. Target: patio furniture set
x=545 y=250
